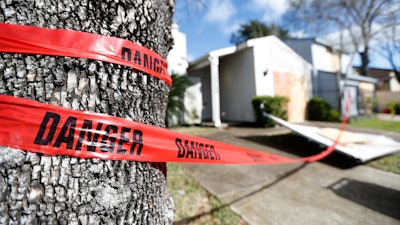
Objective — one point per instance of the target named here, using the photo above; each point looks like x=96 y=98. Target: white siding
x=177 y=56
x=274 y=55
x=193 y=102
x=204 y=100
x=264 y=62
x=346 y=63
x=321 y=58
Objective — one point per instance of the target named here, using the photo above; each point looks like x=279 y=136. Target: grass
x=193 y=204
x=194 y=130
x=389 y=163
x=377 y=124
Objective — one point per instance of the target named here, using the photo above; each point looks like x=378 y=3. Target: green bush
x=320 y=110
x=272 y=105
x=394 y=107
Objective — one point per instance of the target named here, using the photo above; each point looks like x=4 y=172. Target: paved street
x=333 y=191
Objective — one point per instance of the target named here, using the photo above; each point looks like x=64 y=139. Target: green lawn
x=193 y=204
x=377 y=124
x=389 y=163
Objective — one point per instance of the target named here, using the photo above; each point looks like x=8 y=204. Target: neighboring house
x=386 y=78
x=231 y=77
x=388 y=89
x=178 y=64
x=333 y=77
x=177 y=56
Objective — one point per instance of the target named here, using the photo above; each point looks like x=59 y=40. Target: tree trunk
x=397 y=75
x=38 y=189
x=364 y=61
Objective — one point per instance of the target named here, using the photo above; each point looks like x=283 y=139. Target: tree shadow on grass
x=300 y=146
x=212 y=211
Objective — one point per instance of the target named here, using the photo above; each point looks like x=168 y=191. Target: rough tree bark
x=38 y=189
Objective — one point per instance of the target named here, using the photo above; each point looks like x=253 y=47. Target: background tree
x=39 y=189
x=389 y=48
x=358 y=20
x=176 y=106
x=255 y=29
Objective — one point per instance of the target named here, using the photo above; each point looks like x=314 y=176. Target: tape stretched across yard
x=53 y=130
x=59 y=42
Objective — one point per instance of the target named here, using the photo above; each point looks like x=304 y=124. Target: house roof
x=319 y=41
x=204 y=60
x=360 y=78
x=378 y=73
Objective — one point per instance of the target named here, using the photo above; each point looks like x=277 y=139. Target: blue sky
x=208 y=24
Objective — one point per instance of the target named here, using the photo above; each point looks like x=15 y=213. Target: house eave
x=204 y=60
x=363 y=78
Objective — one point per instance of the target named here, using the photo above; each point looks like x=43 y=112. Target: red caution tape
x=59 y=42
x=54 y=130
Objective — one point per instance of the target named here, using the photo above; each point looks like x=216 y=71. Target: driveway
x=333 y=191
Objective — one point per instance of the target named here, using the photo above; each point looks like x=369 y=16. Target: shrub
x=319 y=109
x=272 y=105
x=394 y=107
x=176 y=106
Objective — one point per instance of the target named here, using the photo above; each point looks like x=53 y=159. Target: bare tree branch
x=364 y=20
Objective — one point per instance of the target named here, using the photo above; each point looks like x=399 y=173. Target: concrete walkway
x=334 y=191
x=389 y=117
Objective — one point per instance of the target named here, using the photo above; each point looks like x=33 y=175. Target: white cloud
x=342 y=40
x=219 y=11
x=299 y=34
x=272 y=9
x=277 y=6
x=232 y=27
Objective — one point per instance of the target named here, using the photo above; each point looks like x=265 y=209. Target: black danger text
x=155 y=64
x=196 y=150
x=90 y=136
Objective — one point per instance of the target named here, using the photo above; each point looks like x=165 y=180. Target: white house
x=231 y=77
x=178 y=64
x=177 y=56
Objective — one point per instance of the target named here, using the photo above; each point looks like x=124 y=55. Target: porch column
x=214 y=64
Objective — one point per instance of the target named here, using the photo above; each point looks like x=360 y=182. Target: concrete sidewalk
x=388 y=117
x=334 y=191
